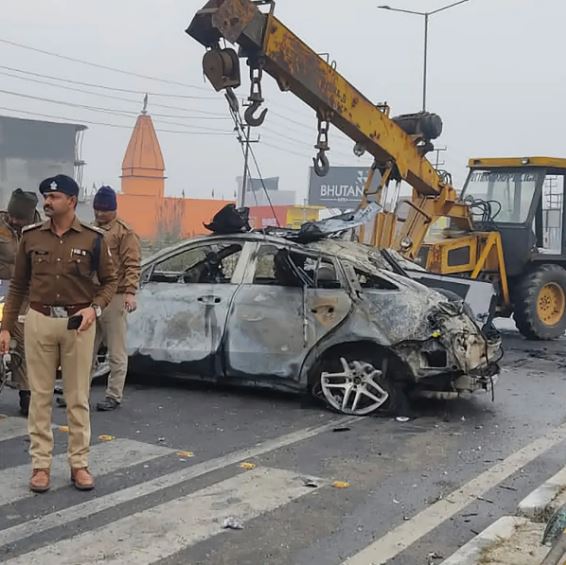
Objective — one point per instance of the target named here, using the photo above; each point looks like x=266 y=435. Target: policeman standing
x=57 y=262
x=21 y=212
x=111 y=327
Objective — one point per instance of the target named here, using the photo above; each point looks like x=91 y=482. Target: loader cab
x=523 y=199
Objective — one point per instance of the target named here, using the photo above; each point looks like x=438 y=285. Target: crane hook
x=321 y=164
x=252 y=120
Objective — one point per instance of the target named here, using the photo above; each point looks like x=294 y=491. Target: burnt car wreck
x=335 y=318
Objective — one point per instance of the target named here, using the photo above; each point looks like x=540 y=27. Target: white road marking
x=498 y=532
x=11 y=427
x=162 y=531
x=400 y=538
x=545 y=497
x=67 y=515
x=104 y=458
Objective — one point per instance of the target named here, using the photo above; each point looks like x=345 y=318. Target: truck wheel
x=539 y=303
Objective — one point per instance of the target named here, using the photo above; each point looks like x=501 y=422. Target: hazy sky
x=496 y=76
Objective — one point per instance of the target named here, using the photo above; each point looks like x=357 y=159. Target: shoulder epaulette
x=124 y=224
x=32 y=227
x=91 y=227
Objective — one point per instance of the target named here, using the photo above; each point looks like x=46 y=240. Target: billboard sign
x=342 y=187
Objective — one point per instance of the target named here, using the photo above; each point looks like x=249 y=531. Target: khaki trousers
x=49 y=344
x=111 y=329
x=19 y=373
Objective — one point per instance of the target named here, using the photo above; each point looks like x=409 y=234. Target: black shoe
x=61 y=402
x=25 y=397
x=107 y=404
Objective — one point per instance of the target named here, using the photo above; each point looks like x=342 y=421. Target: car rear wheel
x=540 y=303
x=356 y=386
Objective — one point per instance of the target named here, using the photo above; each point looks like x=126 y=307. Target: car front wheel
x=356 y=386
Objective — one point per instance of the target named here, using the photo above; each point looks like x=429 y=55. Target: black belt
x=58 y=311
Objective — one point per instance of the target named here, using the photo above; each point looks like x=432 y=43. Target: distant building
x=265 y=192
x=31 y=150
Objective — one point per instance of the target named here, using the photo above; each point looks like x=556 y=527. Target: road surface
x=178 y=460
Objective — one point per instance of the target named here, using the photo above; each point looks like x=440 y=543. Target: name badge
x=80 y=252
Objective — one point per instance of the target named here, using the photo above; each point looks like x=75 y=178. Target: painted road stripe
x=403 y=536
x=474 y=551
x=104 y=458
x=164 y=530
x=12 y=427
x=544 y=499
x=67 y=515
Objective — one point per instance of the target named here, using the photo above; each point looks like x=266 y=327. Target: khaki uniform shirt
x=125 y=247
x=61 y=271
x=9 y=238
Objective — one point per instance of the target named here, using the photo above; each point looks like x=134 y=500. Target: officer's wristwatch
x=97 y=310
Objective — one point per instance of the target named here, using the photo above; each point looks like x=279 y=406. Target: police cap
x=59 y=183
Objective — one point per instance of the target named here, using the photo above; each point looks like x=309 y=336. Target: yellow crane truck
x=505 y=226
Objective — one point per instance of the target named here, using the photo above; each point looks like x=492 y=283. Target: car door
x=288 y=302
x=183 y=306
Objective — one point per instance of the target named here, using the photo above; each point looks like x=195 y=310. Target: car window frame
x=239 y=270
x=315 y=255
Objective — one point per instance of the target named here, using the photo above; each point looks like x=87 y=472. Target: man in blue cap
x=111 y=327
x=66 y=269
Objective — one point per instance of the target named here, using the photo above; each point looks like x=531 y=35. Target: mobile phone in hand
x=74 y=322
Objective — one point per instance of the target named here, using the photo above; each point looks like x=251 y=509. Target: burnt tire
x=357 y=373
x=539 y=303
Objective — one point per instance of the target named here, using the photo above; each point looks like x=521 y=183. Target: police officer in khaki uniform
x=111 y=327
x=57 y=264
x=21 y=212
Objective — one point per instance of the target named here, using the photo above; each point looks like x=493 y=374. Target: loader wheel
x=540 y=303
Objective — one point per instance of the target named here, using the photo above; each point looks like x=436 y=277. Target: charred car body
x=335 y=318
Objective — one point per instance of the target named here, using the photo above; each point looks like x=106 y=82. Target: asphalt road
x=171 y=474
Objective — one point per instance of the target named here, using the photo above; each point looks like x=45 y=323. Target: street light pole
x=426 y=16
x=425 y=59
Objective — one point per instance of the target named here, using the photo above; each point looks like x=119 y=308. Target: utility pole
x=438 y=163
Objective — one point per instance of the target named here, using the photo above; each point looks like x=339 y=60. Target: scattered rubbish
x=402 y=419
x=341 y=429
x=161 y=439
x=232 y=524
x=341 y=484
x=395 y=501
x=185 y=454
x=556 y=525
x=106 y=437
x=463 y=418
x=508 y=488
x=484 y=499
x=434 y=555
x=470 y=515
x=247 y=466
x=310 y=483
x=64 y=429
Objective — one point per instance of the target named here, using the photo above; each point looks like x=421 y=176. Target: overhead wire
x=113 y=97
x=107 y=124
x=101 y=66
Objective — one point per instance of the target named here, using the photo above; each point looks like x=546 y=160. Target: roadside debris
x=63 y=429
x=248 y=466
x=310 y=482
x=402 y=419
x=106 y=437
x=232 y=523
x=185 y=454
x=341 y=429
x=341 y=484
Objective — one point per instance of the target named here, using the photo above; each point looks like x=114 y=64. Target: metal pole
x=425 y=59
x=245 y=176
